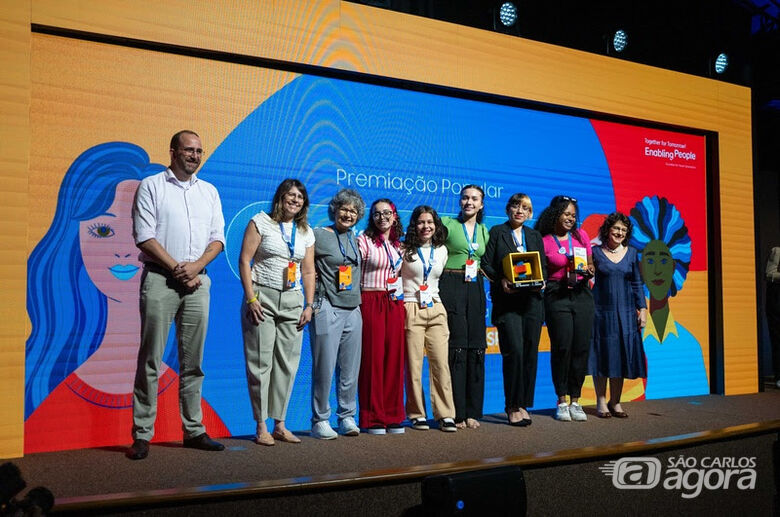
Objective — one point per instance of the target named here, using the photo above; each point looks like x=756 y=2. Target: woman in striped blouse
x=381 y=380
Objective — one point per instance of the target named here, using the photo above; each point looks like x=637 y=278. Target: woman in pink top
x=568 y=302
x=381 y=381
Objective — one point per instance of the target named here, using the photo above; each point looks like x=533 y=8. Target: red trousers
x=381 y=381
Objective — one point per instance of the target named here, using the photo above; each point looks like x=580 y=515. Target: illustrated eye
x=651 y=261
x=100 y=230
x=664 y=261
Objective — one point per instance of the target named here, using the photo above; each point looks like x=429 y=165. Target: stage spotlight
x=508 y=14
x=721 y=63
x=619 y=40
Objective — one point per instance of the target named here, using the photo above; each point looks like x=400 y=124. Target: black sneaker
x=395 y=429
x=447 y=425
x=420 y=424
x=376 y=429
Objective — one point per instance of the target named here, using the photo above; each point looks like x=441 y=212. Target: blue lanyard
x=571 y=248
x=473 y=239
x=291 y=241
x=522 y=237
x=341 y=246
x=426 y=269
x=393 y=264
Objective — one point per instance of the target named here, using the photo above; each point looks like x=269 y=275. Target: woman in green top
x=462 y=292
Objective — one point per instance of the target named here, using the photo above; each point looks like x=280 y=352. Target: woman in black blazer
x=517 y=313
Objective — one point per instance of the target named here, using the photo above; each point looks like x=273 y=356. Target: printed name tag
x=472 y=267
x=395 y=288
x=426 y=299
x=345 y=278
x=292 y=275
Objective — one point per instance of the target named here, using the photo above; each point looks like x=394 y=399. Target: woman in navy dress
x=616 y=349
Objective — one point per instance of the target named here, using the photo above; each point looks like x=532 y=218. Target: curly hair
x=396 y=231
x=610 y=221
x=550 y=215
x=412 y=241
x=656 y=218
x=344 y=197
x=481 y=212
x=276 y=205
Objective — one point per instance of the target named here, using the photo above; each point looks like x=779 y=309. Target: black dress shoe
x=616 y=414
x=203 y=443
x=139 y=450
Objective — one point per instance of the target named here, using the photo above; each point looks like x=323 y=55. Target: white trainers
x=323 y=431
x=562 y=413
x=577 y=413
x=348 y=427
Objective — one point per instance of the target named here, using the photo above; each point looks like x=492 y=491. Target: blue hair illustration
x=656 y=218
x=68 y=313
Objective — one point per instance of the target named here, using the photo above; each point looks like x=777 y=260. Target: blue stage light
x=508 y=14
x=620 y=40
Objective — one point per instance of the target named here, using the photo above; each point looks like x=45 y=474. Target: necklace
x=615 y=251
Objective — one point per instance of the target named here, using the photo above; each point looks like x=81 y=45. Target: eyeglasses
x=189 y=151
x=350 y=211
x=386 y=214
x=558 y=199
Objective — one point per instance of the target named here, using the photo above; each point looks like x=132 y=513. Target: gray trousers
x=337 y=342
x=273 y=351
x=163 y=300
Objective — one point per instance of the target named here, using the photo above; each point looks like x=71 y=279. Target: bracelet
x=253 y=300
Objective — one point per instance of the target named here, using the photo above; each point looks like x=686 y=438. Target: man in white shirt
x=179 y=227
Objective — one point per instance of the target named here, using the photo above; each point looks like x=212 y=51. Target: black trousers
x=518 y=338
x=466 y=305
x=569 y=316
x=773 y=321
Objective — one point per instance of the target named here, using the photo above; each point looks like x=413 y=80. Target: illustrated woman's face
x=567 y=219
x=425 y=228
x=383 y=217
x=519 y=213
x=617 y=234
x=108 y=249
x=292 y=202
x=470 y=202
x=657 y=269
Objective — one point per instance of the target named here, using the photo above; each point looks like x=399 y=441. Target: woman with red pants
x=381 y=381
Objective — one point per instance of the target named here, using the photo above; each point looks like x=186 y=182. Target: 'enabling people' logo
x=687 y=474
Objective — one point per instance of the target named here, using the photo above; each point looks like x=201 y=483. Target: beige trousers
x=427 y=331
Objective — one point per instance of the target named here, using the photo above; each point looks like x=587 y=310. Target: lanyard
x=426 y=269
x=473 y=239
x=291 y=241
x=561 y=249
x=341 y=246
x=393 y=264
x=522 y=237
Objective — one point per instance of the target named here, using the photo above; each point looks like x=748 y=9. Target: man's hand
x=185 y=272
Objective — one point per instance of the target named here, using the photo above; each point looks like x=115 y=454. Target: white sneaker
x=577 y=413
x=562 y=413
x=348 y=427
x=323 y=431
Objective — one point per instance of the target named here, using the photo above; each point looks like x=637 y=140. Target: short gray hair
x=343 y=197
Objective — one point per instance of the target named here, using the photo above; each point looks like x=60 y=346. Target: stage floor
x=106 y=470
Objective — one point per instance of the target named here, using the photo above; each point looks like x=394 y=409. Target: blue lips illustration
x=125 y=272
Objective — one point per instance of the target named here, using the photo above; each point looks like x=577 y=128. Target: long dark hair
x=558 y=205
x=610 y=221
x=396 y=231
x=412 y=241
x=481 y=211
x=276 y=207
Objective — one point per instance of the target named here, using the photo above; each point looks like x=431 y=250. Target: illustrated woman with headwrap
x=675 y=364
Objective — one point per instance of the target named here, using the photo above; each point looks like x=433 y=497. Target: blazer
x=500 y=245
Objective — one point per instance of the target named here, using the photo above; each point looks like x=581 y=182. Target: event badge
x=472 y=267
x=395 y=288
x=292 y=274
x=426 y=298
x=580 y=259
x=345 y=278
